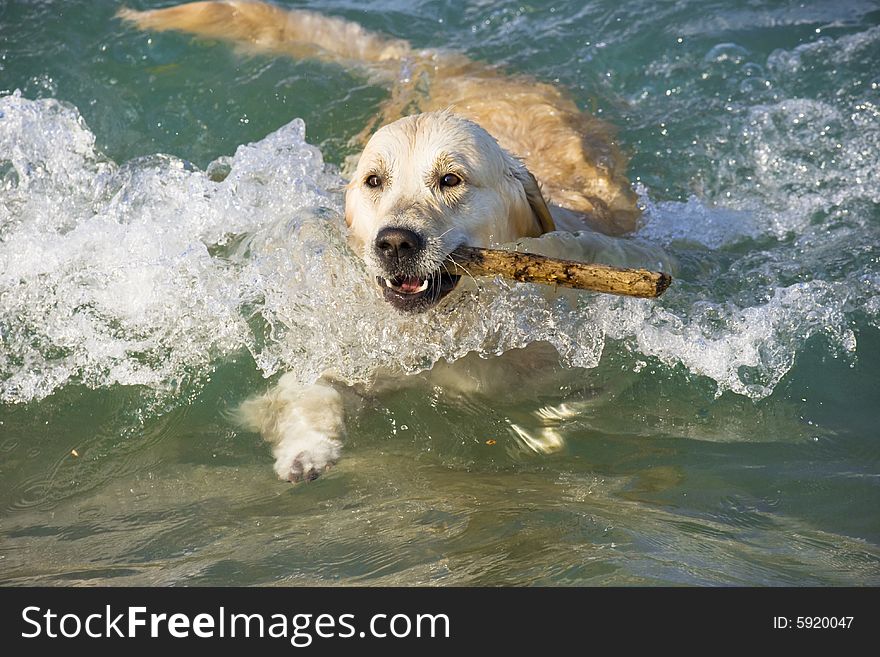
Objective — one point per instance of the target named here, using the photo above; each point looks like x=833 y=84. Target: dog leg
x=544 y=433
x=303 y=423
x=590 y=246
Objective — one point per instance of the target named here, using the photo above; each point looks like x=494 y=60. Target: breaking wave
x=148 y=272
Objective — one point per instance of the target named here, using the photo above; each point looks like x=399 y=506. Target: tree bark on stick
x=532 y=268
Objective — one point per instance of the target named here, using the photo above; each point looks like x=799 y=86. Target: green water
x=725 y=434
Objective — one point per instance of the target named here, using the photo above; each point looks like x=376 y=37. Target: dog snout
x=397 y=247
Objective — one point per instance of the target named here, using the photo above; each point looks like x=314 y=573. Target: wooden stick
x=532 y=268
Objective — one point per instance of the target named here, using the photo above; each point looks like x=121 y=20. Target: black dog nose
x=397 y=244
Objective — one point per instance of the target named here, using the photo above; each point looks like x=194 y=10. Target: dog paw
x=303 y=470
x=308 y=459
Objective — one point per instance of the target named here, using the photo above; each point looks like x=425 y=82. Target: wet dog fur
x=465 y=155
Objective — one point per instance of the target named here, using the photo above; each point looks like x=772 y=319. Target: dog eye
x=373 y=181
x=450 y=180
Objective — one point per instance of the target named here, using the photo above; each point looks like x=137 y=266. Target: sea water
x=171 y=241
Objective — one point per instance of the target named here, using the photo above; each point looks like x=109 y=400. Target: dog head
x=427 y=184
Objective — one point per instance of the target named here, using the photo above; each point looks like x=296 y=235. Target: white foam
x=105 y=272
x=746 y=350
x=670 y=222
x=149 y=272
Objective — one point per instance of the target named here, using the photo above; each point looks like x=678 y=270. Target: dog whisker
x=462 y=267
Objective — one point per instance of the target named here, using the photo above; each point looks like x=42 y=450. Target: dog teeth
x=400 y=288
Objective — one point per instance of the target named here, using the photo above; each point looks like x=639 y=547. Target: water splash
x=146 y=273
x=106 y=272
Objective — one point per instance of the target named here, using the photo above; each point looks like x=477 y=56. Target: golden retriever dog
x=465 y=155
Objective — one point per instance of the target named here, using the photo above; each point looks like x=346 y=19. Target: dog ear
x=536 y=200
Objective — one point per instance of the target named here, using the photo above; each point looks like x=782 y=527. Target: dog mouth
x=417 y=293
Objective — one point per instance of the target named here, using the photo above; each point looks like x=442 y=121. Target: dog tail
x=264 y=27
